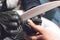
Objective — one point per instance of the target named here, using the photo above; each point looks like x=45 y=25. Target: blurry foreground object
x=14 y=24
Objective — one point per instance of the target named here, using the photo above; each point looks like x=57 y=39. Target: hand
x=42 y=33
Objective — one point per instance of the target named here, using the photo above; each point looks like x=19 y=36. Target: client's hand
x=42 y=33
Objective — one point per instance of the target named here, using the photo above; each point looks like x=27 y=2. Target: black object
x=13 y=26
x=28 y=4
x=10 y=25
x=28 y=29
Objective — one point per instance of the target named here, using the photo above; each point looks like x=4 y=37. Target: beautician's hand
x=42 y=33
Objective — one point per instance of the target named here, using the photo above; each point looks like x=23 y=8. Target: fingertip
x=30 y=22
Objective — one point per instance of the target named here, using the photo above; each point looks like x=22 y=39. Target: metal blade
x=40 y=9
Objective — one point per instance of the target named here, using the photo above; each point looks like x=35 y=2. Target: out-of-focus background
x=54 y=14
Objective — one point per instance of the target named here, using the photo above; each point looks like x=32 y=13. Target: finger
x=36 y=37
x=32 y=37
x=34 y=26
x=38 y=28
x=30 y=22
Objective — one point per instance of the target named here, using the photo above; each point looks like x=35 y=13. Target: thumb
x=30 y=22
x=38 y=28
x=34 y=26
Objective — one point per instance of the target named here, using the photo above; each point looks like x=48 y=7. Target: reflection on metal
x=40 y=9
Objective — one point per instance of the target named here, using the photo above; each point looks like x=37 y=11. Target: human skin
x=42 y=33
